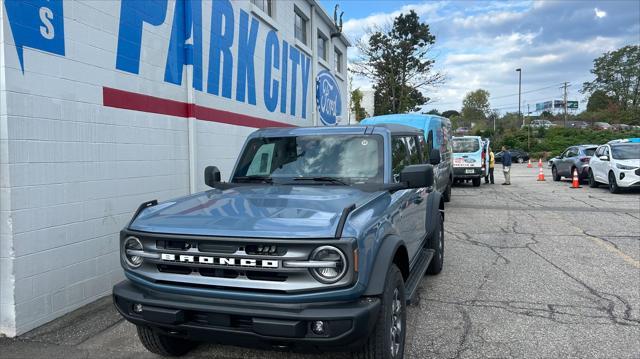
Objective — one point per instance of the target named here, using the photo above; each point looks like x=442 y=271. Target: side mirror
x=604 y=158
x=434 y=156
x=417 y=176
x=211 y=176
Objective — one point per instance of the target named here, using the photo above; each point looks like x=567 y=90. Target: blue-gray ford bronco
x=318 y=242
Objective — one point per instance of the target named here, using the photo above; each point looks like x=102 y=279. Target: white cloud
x=355 y=28
x=491 y=18
x=481 y=47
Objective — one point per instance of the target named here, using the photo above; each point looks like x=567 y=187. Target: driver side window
x=399 y=157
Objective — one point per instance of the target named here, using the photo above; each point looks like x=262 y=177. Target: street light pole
x=519 y=71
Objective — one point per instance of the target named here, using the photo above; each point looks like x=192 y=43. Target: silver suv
x=574 y=157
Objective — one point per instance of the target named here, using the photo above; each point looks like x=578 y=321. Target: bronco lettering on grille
x=221 y=261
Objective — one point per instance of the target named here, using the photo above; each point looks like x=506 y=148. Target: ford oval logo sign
x=328 y=99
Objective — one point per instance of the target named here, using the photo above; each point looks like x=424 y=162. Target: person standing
x=506 y=165
x=492 y=164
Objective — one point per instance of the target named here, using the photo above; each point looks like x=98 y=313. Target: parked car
x=437 y=134
x=578 y=124
x=574 y=157
x=319 y=240
x=467 y=159
x=517 y=155
x=616 y=164
x=620 y=127
x=601 y=126
x=540 y=124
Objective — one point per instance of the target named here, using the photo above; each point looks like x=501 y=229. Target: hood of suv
x=305 y=211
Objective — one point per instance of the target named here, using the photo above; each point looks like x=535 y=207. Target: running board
x=419 y=269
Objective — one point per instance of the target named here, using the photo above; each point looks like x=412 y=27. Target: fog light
x=621 y=175
x=137 y=308
x=317 y=327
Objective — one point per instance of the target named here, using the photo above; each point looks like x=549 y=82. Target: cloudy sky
x=480 y=44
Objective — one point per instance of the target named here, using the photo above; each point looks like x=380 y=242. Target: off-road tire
x=476 y=182
x=592 y=180
x=163 y=345
x=613 y=184
x=378 y=345
x=520 y=160
x=436 y=242
x=554 y=174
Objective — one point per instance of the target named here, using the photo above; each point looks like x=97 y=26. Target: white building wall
x=83 y=143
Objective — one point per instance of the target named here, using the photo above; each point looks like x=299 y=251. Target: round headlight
x=130 y=246
x=336 y=264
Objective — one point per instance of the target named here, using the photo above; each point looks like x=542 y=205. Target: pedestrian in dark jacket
x=506 y=165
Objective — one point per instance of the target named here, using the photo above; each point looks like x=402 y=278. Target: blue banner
x=38 y=24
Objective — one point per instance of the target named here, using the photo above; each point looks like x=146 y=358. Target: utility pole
x=519 y=71
x=529 y=129
x=566 y=84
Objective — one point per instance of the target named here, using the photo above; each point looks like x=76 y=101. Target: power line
x=503 y=96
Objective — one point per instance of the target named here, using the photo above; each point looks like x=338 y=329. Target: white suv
x=616 y=164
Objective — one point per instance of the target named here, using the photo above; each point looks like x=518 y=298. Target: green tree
x=618 y=76
x=396 y=60
x=598 y=101
x=434 y=112
x=475 y=106
x=450 y=113
x=546 y=114
x=356 y=104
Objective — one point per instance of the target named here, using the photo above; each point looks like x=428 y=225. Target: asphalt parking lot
x=534 y=269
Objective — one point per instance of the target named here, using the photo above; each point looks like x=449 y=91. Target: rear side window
x=573 y=152
x=589 y=151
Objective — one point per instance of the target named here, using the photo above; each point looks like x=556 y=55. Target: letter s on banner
x=328 y=98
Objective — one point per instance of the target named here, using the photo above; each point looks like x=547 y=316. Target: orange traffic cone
x=575 y=183
x=540 y=163
x=529 y=164
x=540 y=175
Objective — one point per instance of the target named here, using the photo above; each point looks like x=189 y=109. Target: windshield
x=627 y=151
x=465 y=145
x=352 y=159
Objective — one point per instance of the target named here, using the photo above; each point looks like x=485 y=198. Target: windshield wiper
x=321 y=179
x=264 y=179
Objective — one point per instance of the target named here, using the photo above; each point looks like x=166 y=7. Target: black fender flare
x=384 y=259
x=435 y=203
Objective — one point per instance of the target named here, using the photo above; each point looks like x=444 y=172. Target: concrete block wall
x=75 y=163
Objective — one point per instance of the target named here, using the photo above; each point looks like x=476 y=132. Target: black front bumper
x=241 y=323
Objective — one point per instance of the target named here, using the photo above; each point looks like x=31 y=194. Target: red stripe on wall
x=138 y=102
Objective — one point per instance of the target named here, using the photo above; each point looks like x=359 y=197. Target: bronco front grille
x=236 y=263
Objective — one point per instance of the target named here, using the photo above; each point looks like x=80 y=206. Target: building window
x=300 y=27
x=322 y=46
x=337 y=61
x=264 y=5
